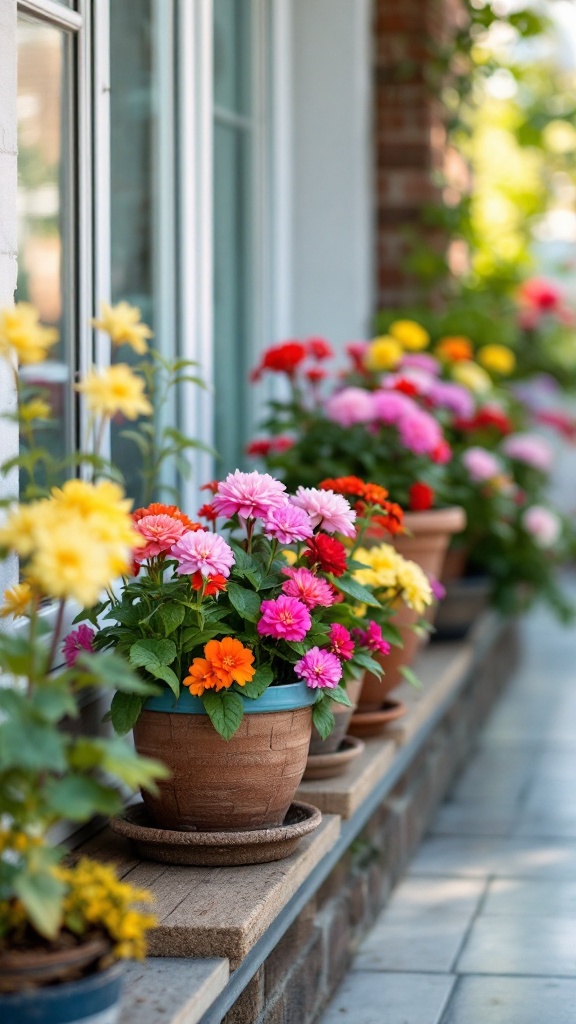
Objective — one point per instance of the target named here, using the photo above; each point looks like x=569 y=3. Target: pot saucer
x=372 y=723
x=204 y=849
x=325 y=766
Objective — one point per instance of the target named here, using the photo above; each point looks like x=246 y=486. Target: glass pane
x=45 y=213
x=232 y=27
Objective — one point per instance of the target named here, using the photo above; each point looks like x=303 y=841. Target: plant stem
x=56 y=634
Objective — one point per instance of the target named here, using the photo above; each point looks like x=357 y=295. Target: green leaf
x=124 y=711
x=79 y=798
x=225 y=710
x=41 y=893
x=167 y=676
x=369 y=663
x=123 y=762
x=172 y=616
x=53 y=701
x=28 y=744
x=145 y=653
x=113 y=671
x=339 y=696
x=356 y=590
x=392 y=634
x=246 y=602
x=259 y=683
x=411 y=677
x=192 y=638
x=322 y=717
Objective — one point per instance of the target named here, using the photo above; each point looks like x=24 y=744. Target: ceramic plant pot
x=246 y=782
x=95 y=998
x=342 y=714
x=425 y=542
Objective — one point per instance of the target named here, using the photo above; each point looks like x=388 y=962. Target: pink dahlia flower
x=326 y=509
x=250 y=495
x=205 y=552
x=529 y=448
x=319 y=669
x=542 y=524
x=341 y=643
x=481 y=464
x=349 y=406
x=454 y=397
x=76 y=642
x=285 y=618
x=288 y=524
x=392 y=406
x=420 y=433
x=161 y=533
x=421 y=361
x=310 y=589
x=372 y=638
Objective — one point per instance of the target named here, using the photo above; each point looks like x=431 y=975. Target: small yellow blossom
x=122 y=323
x=17 y=601
x=23 y=336
x=472 y=376
x=410 y=334
x=382 y=562
x=113 y=390
x=35 y=409
x=414 y=585
x=384 y=353
x=497 y=358
x=290 y=556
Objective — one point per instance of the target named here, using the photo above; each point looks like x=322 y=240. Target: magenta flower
x=372 y=638
x=349 y=406
x=392 y=406
x=250 y=495
x=327 y=509
x=531 y=449
x=310 y=589
x=319 y=669
x=161 y=533
x=421 y=361
x=285 y=618
x=438 y=588
x=481 y=464
x=288 y=524
x=205 y=552
x=459 y=400
x=76 y=642
x=341 y=643
x=420 y=432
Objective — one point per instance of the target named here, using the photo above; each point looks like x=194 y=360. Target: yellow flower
x=122 y=323
x=472 y=376
x=70 y=563
x=382 y=564
x=22 y=335
x=18 y=532
x=384 y=353
x=35 y=409
x=416 y=591
x=115 y=389
x=17 y=601
x=410 y=334
x=290 y=556
x=497 y=358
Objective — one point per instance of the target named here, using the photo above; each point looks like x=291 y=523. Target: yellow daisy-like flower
x=414 y=584
x=23 y=336
x=382 y=562
x=384 y=353
x=17 y=601
x=70 y=562
x=35 y=409
x=497 y=358
x=113 y=390
x=290 y=556
x=122 y=322
x=19 y=530
x=410 y=334
x=472 y=376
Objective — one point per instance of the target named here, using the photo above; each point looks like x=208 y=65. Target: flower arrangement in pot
x=236 y=622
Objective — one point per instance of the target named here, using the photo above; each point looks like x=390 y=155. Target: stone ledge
x=171 y=991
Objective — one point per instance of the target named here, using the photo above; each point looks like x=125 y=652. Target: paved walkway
x=483 y=928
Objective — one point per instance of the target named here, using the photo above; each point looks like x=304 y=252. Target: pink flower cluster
x=531 y=449
x=542 y=524
x=418 y=430
x=77 y=642
x=312 y=590
x=372 y=638
x=204 y=552
x=160 y=532
x=481 y=464
x=319 y=669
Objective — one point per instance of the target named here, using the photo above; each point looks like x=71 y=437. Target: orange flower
x=214 y=584
x=455 y=349
x=156 y=508
x=201 y=677
x=230 y=661
x=375 y=495
x=344 y=485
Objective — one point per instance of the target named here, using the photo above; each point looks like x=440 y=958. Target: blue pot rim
x=287 y=697
x=70 y=1001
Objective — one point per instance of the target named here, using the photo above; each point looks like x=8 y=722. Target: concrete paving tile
x=525 y=897
x=471 y=856
x=541 y=827
x=474 y=820
x=489 y=1000
x=428 y=897
x=543 y=946
x=414 y=944
x=367 y=997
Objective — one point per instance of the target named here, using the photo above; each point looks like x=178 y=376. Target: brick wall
x=409 y=134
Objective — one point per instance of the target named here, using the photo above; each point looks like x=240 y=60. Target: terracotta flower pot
x=342 y=714
x=246 y=782
x=425 y=542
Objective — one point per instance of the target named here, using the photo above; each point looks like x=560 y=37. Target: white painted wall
x=332 y=263
x=8 y=243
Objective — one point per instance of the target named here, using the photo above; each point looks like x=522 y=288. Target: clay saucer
x=372 y=723
x=204 y=849
x=325 y=766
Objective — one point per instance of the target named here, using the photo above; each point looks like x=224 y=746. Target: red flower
x=407 y=387
x=260 y=446
x=421 y=497
x=392 y=520
x=442 y=453
x=212 y=486
x=319 y=348
x=284 y=358
x=208 y=512
x=214 y=584
x=316 y=374
x=282 y=444
x=327 y=552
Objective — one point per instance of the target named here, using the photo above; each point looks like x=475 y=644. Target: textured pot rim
x=287 y=697
x=445 y=520
x=53 y=994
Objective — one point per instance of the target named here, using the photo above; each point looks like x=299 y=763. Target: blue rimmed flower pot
x=246 y=782
x=91 y=1000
